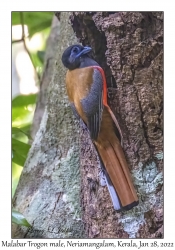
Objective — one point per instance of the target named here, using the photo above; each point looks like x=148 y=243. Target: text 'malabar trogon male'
x=87 y=92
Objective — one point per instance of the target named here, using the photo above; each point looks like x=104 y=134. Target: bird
x=87 y=92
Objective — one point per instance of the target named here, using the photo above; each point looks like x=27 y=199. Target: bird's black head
x=72 y=56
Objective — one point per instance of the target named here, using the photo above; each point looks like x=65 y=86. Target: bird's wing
x=92 y=104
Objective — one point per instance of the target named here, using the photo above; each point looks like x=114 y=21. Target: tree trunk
x=129 y=47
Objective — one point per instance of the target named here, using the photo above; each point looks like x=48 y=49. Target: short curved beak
x=86 y=50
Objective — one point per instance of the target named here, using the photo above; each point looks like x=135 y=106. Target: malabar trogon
x=87 y=92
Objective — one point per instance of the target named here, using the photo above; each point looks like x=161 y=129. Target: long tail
x=118 y=177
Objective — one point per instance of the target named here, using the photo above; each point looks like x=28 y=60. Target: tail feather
x=121 y=157
x=115 y=198
x=116 y=166
x=112 y=171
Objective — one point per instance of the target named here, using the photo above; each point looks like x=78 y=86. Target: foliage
x=20 y=118
x=36 y=21
x=21 y=122
x=23 y=105
x=20 y=151
x=19 y=219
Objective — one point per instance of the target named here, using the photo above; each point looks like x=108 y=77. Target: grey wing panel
x=93 y=105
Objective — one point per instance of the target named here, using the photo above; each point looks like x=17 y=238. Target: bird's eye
x=75 y=50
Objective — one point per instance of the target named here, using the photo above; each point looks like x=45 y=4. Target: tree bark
x=49 y=61
x=129 y=47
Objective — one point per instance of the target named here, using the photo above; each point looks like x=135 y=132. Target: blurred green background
x=30 y=31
